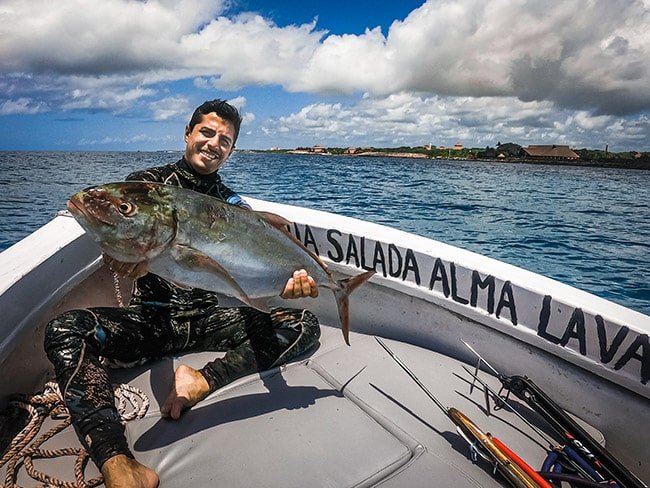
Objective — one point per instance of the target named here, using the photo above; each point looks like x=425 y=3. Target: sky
x=105 y=75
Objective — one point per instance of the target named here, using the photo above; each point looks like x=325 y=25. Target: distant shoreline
x=639 y=165
x=628 y=164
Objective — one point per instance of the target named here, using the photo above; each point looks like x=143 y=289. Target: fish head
x=131 y=221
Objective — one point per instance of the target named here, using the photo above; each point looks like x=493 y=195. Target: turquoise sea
x=587 y=227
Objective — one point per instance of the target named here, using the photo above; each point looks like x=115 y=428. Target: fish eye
x=127 y=209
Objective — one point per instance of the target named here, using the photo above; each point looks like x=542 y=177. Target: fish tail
x=342 y=294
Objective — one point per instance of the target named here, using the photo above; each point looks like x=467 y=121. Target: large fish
x=198 y=241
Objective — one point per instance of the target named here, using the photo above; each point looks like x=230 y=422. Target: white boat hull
x=592 y=356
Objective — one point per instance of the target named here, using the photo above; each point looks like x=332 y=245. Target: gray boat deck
x=341 y=417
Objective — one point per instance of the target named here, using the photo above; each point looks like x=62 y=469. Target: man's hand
x=300 y=285
x=126 y=270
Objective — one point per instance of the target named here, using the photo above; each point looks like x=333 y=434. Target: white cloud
x=586 y=121
x=136 y=140
x=171 y=108
x=91 y=37
x=116 y=99
x=249 y=50
x=238 y=102
x=21 y=106
x=407 y=119
x=528 y=49
x=348 y=63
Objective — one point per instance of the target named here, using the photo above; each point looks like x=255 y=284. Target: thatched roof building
x=549 y=152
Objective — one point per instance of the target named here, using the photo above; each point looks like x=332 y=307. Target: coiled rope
x=132 y=404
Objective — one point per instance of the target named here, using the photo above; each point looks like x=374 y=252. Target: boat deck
x=341 y=417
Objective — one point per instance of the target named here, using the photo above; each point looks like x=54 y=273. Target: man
x=163 y=319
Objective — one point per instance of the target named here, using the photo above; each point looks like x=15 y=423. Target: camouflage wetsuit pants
x=75 y=340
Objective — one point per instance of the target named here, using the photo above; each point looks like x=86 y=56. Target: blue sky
x=126 y=74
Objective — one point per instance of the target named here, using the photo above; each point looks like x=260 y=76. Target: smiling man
x=163 y=319
x=209 y=141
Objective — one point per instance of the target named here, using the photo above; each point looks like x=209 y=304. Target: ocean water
x=587 y=227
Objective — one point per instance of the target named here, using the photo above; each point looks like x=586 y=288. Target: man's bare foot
x=189 y=388
x=123 y=472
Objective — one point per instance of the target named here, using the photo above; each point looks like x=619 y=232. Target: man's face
x=209 y=143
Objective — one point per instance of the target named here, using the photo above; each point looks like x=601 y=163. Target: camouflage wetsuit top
x=162 y=319
x=154 y=292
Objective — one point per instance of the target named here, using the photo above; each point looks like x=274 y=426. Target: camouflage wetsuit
x=162 y=319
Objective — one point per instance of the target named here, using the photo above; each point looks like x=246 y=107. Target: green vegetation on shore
x=509 y=152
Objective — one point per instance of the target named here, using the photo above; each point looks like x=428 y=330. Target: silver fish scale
x=259 y=257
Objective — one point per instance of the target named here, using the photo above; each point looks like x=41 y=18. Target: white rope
x=132 y=404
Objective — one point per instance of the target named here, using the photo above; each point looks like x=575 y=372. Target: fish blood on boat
x=197 y=241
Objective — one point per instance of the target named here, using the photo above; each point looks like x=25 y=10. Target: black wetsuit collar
x=204 y=180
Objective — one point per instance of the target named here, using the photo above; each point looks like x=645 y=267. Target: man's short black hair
x=220 y=107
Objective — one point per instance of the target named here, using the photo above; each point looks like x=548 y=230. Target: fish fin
x=283 y=226
x=277 y=221
x=197 y=261
x=342 y=294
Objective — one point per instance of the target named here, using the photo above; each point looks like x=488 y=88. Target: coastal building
x=458 y=147
x=317 y=149
x=549 y=152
